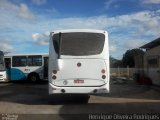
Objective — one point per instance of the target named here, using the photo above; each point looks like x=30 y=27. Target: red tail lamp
x=79 y=64
x=54 y=77
x=54 y=71
x=103 y=77
x=103 y=71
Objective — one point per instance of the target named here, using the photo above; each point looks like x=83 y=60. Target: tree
x=1 y=53
x=114 y=63
x=128 y=57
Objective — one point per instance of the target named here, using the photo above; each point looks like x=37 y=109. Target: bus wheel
x=33 y=77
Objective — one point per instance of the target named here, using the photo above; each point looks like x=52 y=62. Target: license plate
x=78 y=81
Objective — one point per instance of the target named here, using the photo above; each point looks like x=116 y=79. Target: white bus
x=31 y=67
x=79 y=61
x=3 y=76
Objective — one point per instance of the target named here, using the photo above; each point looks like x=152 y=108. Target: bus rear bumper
x=78 y=90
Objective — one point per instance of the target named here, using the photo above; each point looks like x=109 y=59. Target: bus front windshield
x=1 y=61
x=79 y=43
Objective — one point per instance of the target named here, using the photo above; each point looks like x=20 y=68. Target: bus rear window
x=79 y=43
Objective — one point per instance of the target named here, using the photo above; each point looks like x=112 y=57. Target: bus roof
x=26 y=54
x=80 y=30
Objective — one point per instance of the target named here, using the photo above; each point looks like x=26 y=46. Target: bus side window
x=35 y=60
x=19 y=61
x=7 y=62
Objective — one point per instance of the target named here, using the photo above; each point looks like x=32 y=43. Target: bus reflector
x=78 y=64
x=54 y=71
x=54 y=77
x=103 y=71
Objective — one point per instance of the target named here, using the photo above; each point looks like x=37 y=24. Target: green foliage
x=114 y=63
x=128 y=57
x=1 y=53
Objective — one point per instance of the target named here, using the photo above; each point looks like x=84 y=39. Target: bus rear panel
x=79 y=62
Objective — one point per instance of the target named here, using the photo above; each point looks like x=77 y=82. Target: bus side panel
x=16 y=74
x=21 y=73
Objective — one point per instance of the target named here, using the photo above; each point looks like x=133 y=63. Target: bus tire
x=34 y=77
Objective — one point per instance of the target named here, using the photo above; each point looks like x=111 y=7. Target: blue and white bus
x=2 y=68
x=31 y=67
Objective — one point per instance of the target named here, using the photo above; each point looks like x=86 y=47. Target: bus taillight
x=103 y=77
x=54 y=77
x=79 y=64
x=54 y=71
x=103 y=71
x=103 y=74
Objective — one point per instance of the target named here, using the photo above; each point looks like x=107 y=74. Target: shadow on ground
x=37 y=94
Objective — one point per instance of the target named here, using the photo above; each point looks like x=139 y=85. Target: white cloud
x=5 y=4
x=39 y=2
x=25 y=13
x=41 y=39
x=127 y=31
x=6 y=46
x=21 y=10
x=112 y=48
x=133 y=22
x=138 y=24
x=109 y=3
x=151 y=1
x=51 y=12
x=131 y=44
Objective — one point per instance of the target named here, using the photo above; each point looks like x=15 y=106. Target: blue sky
x=25 y=24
